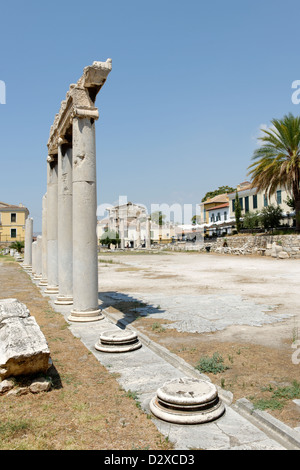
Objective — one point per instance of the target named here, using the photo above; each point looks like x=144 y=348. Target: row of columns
x=69 y=264
x=68 y=246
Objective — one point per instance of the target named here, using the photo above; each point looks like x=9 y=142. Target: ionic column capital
x=83 y=112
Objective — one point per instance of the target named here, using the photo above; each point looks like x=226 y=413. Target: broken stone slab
x=23 y=347
x=12 y=308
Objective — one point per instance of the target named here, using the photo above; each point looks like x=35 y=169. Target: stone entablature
x=79 y=102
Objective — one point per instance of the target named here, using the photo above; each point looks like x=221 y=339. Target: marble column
x=65 y=227
x=27 y=263
x=122 y=234
x=52 y=242
x=44 y=281
x=148 y=232
x=38 y=258
x=85 y=253
x=34 y=246
x=138 y=234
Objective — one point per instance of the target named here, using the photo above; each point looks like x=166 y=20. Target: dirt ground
x=259 y=358
x=85 y=408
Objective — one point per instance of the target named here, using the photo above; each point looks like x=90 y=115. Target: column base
x=27 y=267
x=43 y=282
x=37 y=277
x=87 y=316
x=51 y=290
x=64 y=300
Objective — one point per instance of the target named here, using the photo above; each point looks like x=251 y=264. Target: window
x=247 y=204
x=255 y=201
x=241 y=203
x=13 y=233
x=265 y=200
x=233 y=205
x=218 y=216
x=13 y=217
x=225 y=215
x=278 y=196
x=212 y=218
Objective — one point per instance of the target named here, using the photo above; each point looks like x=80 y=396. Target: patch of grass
x=268 y=404
x=157 y=327
x=108 y=261
x=279 y=396
x=7 y=258
x=214 y=364
x=13 y=428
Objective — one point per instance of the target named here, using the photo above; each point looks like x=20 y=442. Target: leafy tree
x=158 y=217
x=220 y=190
x=277 y=161
x=237 y=212
x=17 y=245
x=251 y=220
x=110 y=237
x=195 y=219
x=270 y=216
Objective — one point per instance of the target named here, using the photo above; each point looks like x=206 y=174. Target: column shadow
x=129 y=306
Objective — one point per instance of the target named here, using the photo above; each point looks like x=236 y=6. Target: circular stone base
x=51 y=290
x=91 y=315
x=64 y=300
x=43 y=282
x=115 y=341
x=187 y=401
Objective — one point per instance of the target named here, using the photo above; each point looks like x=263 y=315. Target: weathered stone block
x=23 y=347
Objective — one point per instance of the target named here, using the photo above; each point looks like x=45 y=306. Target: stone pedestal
x=118 y=341
x=187 y=401
x=85 y=253
x=65 y=225
x=52 y=243
x=27 y=263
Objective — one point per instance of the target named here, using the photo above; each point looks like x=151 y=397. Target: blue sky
x=191 y=84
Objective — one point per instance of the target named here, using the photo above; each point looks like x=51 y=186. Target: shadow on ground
x=129 y=306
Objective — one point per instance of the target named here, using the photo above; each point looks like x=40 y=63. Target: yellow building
x=209 y=204
x=12 y=222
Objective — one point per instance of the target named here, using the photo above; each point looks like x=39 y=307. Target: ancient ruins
x=69 y=263
x=65 y=259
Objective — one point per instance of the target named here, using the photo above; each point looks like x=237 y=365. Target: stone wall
x=276 y=246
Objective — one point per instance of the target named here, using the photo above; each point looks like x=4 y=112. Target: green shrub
x=214 y=364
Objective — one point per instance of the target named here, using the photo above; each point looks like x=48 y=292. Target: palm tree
x=277 y=160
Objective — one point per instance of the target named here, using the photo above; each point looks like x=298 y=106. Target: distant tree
x=237 y=212
x=251 y=220
x=270 y=217
x=110 y=237
x=195 y=219
x=17 y=245
x=216 y=192
x=158 y=217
